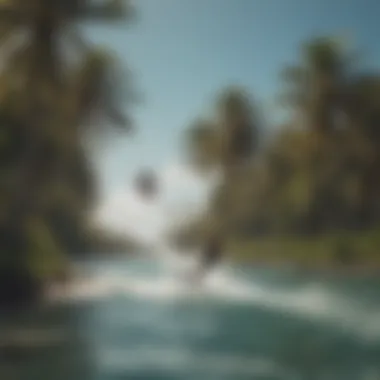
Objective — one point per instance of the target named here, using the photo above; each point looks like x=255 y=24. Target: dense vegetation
x=302 y=190
x=315 y=179
x=55 y=90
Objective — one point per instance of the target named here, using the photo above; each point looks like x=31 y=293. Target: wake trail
x=166 y=284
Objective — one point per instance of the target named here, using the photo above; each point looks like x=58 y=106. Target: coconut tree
x=315 y=87
x=52 y=84
x=47 y=96
x=225 y=143
x=229 y=139
x=363 y=110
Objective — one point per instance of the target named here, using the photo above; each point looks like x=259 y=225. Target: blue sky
x=183 y=51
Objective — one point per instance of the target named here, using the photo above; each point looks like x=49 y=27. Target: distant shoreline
x=296 y=267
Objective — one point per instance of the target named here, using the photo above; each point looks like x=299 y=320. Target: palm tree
x=49 y=30
x=363 y=110
x=230 y=139
x=203 y=143
x=225 y=144
x=47 y=99
x=315 y=86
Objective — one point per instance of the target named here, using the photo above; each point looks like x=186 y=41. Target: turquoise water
x=134 y=320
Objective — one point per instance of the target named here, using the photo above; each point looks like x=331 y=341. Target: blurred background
x=133 y=132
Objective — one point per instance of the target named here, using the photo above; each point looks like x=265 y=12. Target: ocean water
x=139 y=319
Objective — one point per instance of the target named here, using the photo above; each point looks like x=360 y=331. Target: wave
x=165 y=283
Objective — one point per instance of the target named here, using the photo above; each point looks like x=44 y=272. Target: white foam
x=314 y=301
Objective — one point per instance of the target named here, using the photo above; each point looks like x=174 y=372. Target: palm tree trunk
x=36 y=168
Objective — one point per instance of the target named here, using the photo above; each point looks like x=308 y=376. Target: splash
x=162 y=280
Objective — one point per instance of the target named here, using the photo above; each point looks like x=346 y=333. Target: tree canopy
x=318 y=173
x=55 y=89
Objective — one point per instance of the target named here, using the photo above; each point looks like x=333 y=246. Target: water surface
x=133 y=319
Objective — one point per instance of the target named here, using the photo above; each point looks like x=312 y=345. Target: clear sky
x=183 y=51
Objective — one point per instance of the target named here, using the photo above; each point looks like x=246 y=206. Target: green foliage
x=44 y=257
x=227 y=140
x=49 y=104
x=323 y=251
x=315 y=88
x=315 y=178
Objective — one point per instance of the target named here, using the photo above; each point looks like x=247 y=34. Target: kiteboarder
x=211 y=256
x=212 y=253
